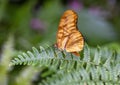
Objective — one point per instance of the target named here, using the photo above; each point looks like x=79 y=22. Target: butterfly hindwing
x=75 y=42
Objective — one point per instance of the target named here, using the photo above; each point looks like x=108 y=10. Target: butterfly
x=68 y=36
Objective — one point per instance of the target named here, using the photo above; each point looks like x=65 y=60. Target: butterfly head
x=55 y=45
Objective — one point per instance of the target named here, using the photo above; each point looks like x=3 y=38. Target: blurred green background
x=29 y=23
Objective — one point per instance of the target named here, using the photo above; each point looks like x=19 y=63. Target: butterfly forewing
x=68 y=36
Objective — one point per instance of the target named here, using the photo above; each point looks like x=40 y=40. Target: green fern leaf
x=101 y=67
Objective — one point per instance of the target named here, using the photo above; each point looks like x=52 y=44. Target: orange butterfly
x=68 y=36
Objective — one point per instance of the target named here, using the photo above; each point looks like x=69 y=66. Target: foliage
x=96 y=66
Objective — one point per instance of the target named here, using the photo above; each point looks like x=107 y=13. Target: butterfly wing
x=67 y=23
x=75 y=42
x=61 y=39
x=68 y=36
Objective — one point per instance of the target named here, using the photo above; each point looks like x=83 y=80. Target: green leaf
x=96 y=69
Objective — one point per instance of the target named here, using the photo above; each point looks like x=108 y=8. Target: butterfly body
x=68 y=36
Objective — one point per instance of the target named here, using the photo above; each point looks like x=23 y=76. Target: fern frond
x=94 y=76
x=100 y=67
x=46 y=57
x=52 y=57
